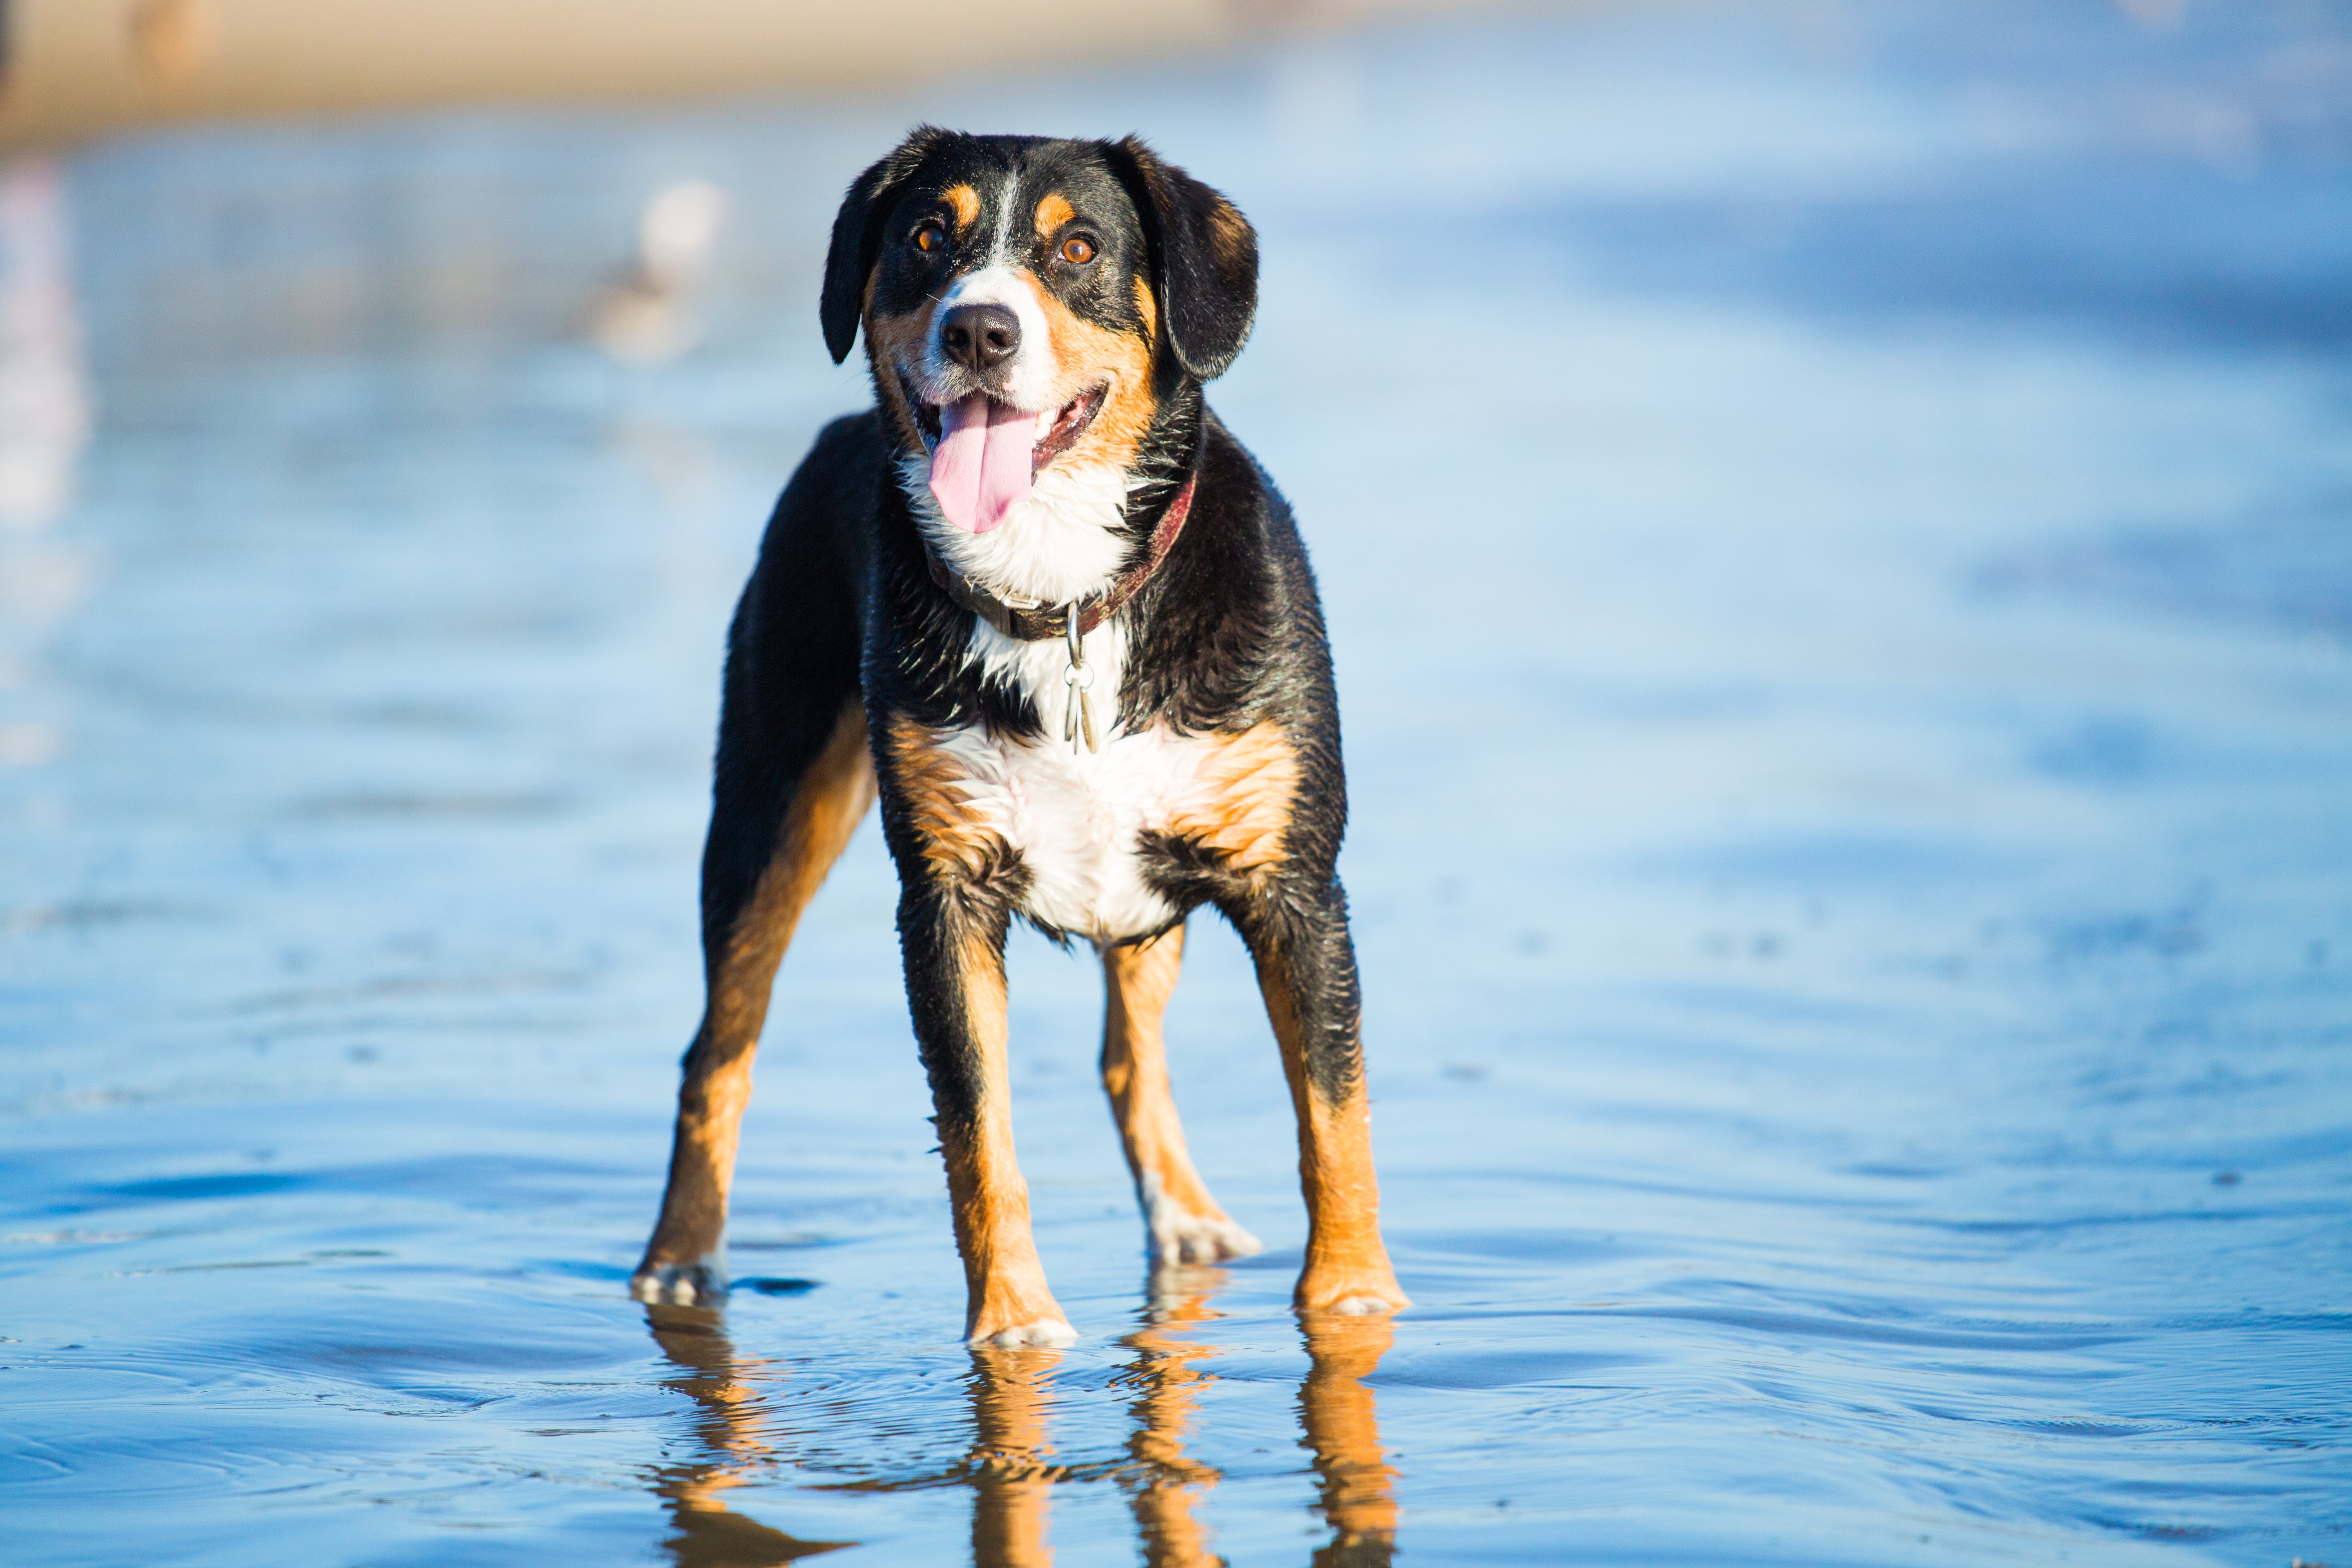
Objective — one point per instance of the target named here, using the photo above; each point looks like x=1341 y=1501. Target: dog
x=1041 y=603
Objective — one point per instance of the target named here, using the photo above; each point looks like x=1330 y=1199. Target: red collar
x=1035 y=622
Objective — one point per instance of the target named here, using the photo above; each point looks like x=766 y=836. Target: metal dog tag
x=1078 y=713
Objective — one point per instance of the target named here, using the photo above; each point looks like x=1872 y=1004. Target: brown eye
x=1077 y=250
x=931 y=236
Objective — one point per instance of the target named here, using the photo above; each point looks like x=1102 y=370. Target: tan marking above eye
x=966 y=203
x=1051 y=213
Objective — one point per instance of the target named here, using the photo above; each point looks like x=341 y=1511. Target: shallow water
x=1837 y=528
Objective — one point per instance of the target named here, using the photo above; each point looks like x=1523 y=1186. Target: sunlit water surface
x=1837 y=528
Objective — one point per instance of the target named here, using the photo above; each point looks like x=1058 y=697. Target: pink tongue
x=981 y=466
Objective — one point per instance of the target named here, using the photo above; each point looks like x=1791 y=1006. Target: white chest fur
x=1063 y=542
x=1076 y=816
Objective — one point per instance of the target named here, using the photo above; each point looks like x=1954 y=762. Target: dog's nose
x=981 y=336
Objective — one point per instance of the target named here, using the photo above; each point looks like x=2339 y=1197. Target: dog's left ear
x=857 y=236
x=1203 y=259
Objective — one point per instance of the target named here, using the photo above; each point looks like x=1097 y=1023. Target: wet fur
x=1221 y=770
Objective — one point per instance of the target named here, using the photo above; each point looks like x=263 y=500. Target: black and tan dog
x=1054 y=614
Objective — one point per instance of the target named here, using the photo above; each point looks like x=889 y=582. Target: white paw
x=701 y=1284
x=1360 y=1306
x=1044 y=1332
x=1178 y=1238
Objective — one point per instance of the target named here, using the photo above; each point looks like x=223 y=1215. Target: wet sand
x=1836 y=545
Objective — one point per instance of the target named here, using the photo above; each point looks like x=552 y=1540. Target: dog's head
x=1029 y=301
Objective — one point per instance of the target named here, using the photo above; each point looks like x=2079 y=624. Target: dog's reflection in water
x=1011 y=1466
x=731 y=1417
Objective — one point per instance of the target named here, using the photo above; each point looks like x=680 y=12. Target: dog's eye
x=931 y=236
x=1077 y=250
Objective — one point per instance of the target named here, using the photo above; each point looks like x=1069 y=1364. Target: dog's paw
x=698 y=1284
x=1178 y=1238
x=1049 y=1331
x=1360 y=1294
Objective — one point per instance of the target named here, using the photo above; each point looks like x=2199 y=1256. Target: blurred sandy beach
x=79 y=67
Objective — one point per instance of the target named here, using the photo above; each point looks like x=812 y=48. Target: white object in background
x=649 y=315
x=43 y=395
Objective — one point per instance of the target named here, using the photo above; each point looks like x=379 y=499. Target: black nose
x=981 y=336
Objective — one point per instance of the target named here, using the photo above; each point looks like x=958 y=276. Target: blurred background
x=1836 y=524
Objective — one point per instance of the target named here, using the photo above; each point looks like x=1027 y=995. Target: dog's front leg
x=954 y=948
x=1307 y=970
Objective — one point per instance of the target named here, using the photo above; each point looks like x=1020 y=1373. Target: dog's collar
x=1031 y=620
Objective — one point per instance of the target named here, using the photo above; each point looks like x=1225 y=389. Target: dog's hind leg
x=1307 y=970
x=772 y=839
x=1184 y=1222
x=794 y=779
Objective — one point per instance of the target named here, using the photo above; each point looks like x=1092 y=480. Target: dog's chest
x=1078 y=818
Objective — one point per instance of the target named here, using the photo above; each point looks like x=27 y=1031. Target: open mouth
x=986 y=454
x=1070 y=422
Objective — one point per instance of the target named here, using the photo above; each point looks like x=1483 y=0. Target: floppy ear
x=857 y=236
x=1204 y=257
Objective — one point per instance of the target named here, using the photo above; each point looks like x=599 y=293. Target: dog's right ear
x=857 y=236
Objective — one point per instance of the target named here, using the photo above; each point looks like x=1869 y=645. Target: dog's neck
x=1068 y=541
x=1063 y=543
